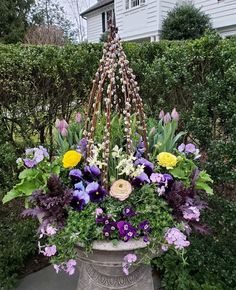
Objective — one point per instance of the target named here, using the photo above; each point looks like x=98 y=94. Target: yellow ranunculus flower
x=166 y=159
x=71 y=158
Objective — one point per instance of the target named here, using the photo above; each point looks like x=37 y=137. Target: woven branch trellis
x=114 y=73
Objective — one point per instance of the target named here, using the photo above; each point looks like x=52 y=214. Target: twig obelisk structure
x=114 y=73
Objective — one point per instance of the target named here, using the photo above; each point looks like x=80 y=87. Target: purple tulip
x=175 y=115
x=140 y=149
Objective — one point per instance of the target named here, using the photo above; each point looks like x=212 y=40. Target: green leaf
x=204 y=186
x=10 y=196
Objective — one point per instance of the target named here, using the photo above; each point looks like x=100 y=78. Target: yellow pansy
x=71 y=158
x=166 y=159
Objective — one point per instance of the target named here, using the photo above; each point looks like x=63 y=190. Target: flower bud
x=161 y=115
x=175 y=115
x=167 y=118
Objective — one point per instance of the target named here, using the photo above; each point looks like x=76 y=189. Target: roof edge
x=91 y=9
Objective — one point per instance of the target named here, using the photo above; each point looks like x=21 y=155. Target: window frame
x=129 y=4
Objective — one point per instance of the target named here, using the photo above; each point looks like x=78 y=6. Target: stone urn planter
x=102 y=269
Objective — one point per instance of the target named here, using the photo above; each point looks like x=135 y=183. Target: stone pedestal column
x=102 y=269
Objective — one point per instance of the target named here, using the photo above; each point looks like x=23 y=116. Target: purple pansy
x=95 y=192
x=129 y=212
x=140 y=180
x=75 y=174
x=80 y=197
x=126 y=230
x=144 y=226
x=109 y=228
x=91 y=173
x=148 y=166
x=29 y=163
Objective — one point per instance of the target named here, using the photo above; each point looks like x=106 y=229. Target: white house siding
x=165 y=7
x=222 y=14
x=94 y=23
x=139 y=22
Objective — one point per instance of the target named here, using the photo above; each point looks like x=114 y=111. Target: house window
x=106 y=17
x=133 y=3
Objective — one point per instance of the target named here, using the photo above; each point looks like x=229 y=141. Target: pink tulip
x=175 y=115
x=62 y=126
x=167 y=118
x=161 y=115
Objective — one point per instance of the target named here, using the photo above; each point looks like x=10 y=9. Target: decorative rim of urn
x=119 y=246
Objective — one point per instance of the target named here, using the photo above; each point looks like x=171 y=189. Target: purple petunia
x=95 y=192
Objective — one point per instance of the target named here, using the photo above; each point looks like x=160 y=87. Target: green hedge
x=38 y=83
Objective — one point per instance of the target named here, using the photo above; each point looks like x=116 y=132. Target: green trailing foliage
x=210 y=263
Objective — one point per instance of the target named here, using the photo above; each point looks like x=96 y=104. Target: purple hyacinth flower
x=145 y=226
x=75 y=174
x=129 y=212
x=190 y=148
x=148 y=166
x=29 y=163
x=82 y=147
x=91 y=173
x=140 y=149
x=140 y=180
x=95 y=192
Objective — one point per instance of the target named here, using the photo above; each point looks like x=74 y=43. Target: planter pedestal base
x=102 y=269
